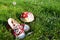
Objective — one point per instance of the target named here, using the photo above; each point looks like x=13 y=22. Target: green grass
x=46 y=25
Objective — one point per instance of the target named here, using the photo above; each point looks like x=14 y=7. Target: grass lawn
x=46 y=25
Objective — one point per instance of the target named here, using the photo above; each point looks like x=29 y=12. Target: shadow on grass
x=3 y=22
x=18 y=15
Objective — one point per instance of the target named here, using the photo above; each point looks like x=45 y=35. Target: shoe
x=27 y=17
x=17 y=29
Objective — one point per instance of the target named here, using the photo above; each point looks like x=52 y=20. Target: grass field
x=46 y=25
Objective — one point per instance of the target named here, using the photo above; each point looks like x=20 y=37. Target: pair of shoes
x=18 y=30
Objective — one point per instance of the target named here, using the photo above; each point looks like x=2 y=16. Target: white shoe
x=27 y=17
x=18 y=30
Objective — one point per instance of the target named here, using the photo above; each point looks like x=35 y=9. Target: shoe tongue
x=21 y=27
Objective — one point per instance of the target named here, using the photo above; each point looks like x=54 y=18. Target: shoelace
x=19 y=29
